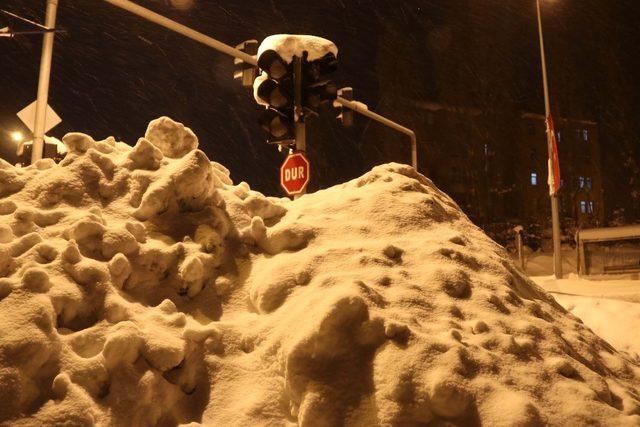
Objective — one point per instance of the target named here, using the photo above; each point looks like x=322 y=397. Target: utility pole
x=555 y=213
x=43 y=81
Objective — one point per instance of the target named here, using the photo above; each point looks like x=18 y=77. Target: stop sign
x=294 y=173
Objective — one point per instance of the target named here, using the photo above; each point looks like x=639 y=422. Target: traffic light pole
x=298 y=112
x=360 y=108
x=172 y=25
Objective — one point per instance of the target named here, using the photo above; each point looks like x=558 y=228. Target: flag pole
x=555 y=213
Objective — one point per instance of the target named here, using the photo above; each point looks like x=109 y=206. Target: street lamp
x=43 y=82
x=17 y=136
x=554 y=168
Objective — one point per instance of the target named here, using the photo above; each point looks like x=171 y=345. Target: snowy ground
x=609 y=306
x=141 y=286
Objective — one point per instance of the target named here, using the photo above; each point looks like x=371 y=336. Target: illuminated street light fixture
x=17 y=136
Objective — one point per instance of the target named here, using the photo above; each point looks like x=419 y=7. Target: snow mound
x=140 y=286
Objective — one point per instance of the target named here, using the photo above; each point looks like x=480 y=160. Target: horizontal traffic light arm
x=361 y=108
x=183 y=29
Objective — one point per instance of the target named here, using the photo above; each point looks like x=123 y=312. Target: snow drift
x=140 y=286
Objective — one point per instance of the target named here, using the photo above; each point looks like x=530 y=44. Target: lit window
x=581 y=182
x=585 y=134
x=583 y=207
x=590 y=207
x=587 y=183
x=559 y=136
x=534 y=178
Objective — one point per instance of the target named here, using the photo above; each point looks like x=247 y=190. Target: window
x=590 y=207
x=585 y=134
x=583 y=206
x=585 y=182
x=559 y=136
x=534 y=178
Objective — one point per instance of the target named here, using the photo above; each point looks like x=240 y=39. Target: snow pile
x=140 y=286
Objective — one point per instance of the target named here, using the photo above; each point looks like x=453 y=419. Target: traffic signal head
x=278 y=125
x=244 y=72
x=320 y=67
x=291 y=84
x=273 y=64
x=317 y=93
x=345 y=115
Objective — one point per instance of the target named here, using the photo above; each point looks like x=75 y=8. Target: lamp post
x=555 y=214
x=43 y=82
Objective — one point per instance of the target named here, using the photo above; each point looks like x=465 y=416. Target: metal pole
x=184 y=30
x=555 y=213
x=301 y=142
x=520 y=245
x=361 y=109
x=43 y=82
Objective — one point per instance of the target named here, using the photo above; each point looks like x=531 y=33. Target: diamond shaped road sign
x=28 y=117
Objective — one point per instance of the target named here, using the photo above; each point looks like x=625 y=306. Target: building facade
x=495 y=165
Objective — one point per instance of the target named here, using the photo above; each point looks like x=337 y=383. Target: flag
x=554 y=161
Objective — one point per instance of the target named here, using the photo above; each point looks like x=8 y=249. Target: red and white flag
x=554 y=162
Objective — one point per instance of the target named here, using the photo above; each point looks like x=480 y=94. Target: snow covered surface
x=610 y=233
x=290 y=45
x=140 y=286
x=61 y=148
x=611 y=308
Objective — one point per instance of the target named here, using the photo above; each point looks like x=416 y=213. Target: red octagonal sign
x=294 y=173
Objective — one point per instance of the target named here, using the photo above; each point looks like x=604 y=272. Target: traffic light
x=277 y=96
x=244 y=72
x=345 y=115
x=276 y=90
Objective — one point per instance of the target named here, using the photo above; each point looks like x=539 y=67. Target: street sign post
x=294 y=174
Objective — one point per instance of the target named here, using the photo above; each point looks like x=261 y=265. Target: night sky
x=114 y=72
